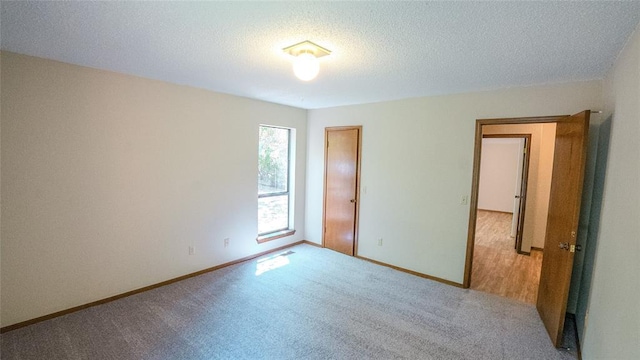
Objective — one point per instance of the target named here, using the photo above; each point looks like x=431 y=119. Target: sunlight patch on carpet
x=272 y=262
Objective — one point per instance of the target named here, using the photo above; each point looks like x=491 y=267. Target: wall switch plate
x=464 y=200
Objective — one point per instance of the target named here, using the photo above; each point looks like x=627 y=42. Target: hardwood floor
x=497 y=267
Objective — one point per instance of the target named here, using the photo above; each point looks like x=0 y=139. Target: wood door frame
x=475 y=180
x=524 y=181
x=324 y=186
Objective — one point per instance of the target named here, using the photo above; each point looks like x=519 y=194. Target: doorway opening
x=516 y=164
x=503 y=263
x=565 y=194
x=504 y=175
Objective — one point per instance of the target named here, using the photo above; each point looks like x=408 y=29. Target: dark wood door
x=341 y=188
x=562 y=224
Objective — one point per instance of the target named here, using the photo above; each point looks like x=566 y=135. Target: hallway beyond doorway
x=497 y=267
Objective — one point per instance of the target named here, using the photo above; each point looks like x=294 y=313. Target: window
x=274 y=153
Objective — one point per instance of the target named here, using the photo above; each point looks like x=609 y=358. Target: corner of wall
x=611 y=303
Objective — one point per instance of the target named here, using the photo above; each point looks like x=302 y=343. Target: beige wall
x=612 y=320
x=111 y=177
x=539 y=185
x=417 y=157
x=108 y=179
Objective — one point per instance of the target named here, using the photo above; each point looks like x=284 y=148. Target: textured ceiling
x=381 y=50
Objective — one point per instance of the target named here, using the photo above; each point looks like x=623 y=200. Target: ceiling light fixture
x=306 y=65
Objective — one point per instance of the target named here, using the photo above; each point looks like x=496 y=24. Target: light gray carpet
x=322 y=305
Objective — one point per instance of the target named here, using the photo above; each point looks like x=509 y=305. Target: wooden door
x=562 y=224
x=342 y=159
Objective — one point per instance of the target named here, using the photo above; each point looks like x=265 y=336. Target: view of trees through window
x=273 y=179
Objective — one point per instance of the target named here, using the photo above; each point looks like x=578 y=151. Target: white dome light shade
x=306 y=66
x=305 y=63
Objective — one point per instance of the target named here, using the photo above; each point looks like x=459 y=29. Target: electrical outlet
x=380 y=242
x=464 y=200
x=226 y=242
x=192 y=250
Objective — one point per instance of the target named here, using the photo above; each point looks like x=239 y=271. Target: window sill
x=275 y=235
